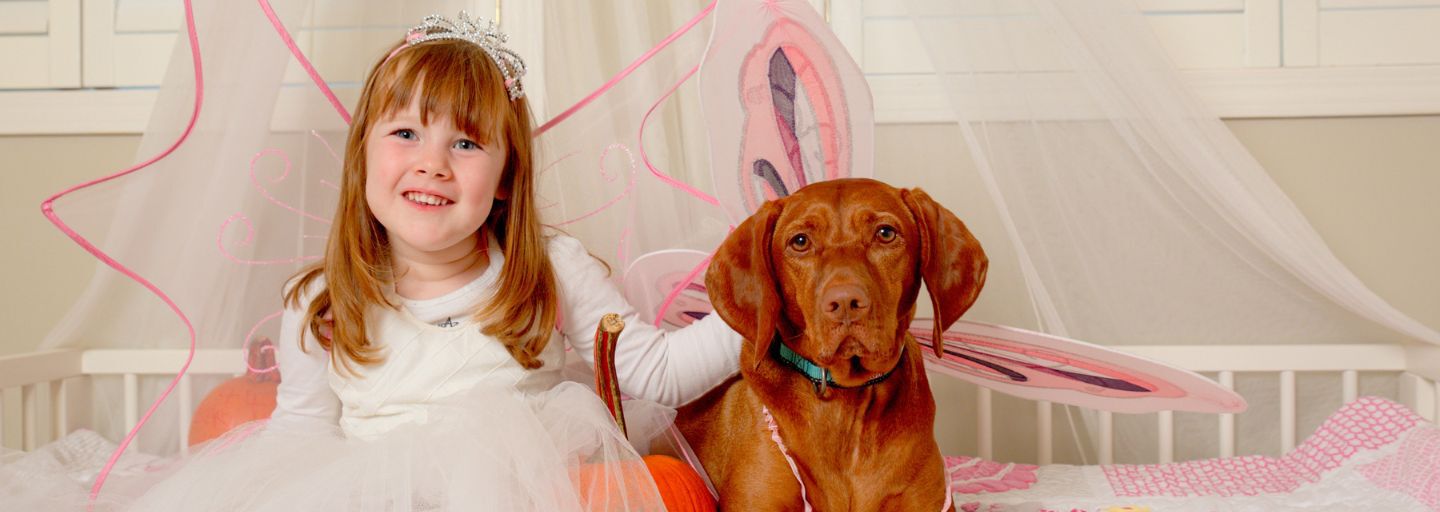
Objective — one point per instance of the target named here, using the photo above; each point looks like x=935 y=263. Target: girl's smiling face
x=431 y=185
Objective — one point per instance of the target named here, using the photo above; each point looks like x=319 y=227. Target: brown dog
x=831 y=274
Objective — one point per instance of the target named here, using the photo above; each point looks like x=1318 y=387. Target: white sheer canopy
x=1135 y=215
x=1138 y=216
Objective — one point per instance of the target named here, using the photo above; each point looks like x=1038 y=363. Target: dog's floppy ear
x=742 y=284
x=951 y=261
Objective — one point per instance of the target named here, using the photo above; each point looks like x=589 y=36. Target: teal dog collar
x=819 y=376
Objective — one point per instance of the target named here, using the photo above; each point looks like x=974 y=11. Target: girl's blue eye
x=405 y=133
x=466 y=144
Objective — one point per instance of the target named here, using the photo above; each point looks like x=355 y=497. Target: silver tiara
x=486 y=36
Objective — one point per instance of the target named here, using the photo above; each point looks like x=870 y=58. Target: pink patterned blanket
x=1372 y=454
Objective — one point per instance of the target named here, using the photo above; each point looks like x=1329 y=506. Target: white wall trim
x=74 y=112
x=127 y=111
x=1320 y=92
x=1249 y=93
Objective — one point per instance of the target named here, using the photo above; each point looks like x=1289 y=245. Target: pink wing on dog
x=1040 y=366
x=802 y=110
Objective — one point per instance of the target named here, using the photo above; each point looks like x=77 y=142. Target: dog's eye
x=800 y=242
x=886 y=234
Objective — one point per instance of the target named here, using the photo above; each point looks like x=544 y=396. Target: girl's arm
x=670 y=368
x=304 y=398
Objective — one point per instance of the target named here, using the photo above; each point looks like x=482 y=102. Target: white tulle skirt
x=495 y=450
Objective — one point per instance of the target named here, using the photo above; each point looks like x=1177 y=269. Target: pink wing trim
x=300 y=57
x=255 y=181
x=819 y=78
x=1005 y=362
x=621 y=76
x=1039 y=366
x=680 y=286
x=645 y=158
x=767 y=135
x=626 y=72
x=250 y=236
x=48 y=208
x=629 y=185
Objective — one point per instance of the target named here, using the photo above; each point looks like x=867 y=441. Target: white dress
x=450 y=421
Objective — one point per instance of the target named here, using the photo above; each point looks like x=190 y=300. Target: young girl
x=421 y=365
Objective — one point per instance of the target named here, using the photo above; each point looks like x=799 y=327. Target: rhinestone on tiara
x=486 y=36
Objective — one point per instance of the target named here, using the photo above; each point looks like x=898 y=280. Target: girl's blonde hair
x=455 y=78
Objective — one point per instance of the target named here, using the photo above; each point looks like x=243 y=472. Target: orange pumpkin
x=680 y=486
x=239 y=400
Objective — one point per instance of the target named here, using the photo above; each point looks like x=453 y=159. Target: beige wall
x=42 y=271
x=1369 y=186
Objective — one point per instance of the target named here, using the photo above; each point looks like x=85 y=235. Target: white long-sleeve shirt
x=670 y=368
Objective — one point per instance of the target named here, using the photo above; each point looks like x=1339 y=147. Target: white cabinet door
x=128 y=42
x=1371 y=32
x=39 y=44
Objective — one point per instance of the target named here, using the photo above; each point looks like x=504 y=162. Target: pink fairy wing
x=802 y=112
x=668 y=287
x=1040 y=366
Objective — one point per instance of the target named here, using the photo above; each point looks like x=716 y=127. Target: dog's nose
x=844 y=303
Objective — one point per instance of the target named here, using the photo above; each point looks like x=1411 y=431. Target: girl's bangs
x=466 y=86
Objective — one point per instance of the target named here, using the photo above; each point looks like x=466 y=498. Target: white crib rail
x=1419 y=368
x=57 y=370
